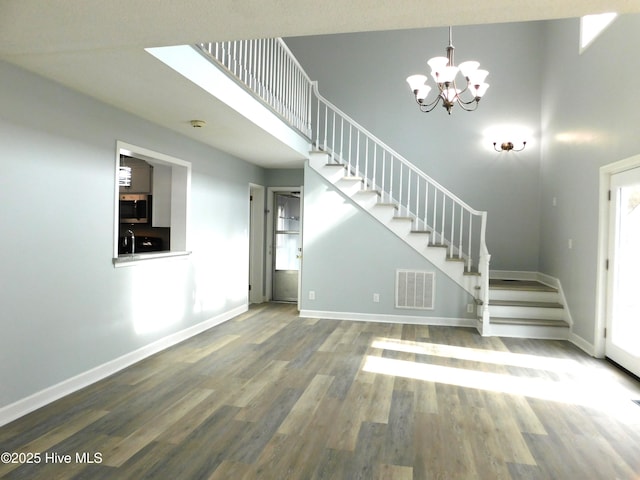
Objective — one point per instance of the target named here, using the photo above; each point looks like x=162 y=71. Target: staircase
x=526 y=308
x=433 y=221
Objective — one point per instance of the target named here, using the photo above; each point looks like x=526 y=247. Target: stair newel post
x=483 y=268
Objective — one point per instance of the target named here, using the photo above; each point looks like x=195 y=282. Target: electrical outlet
x=570 y=243
x=312 y=294
x=469 y=307
x=376 y=298
x=554 y=202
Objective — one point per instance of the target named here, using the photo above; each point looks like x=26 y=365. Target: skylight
x=591 y=26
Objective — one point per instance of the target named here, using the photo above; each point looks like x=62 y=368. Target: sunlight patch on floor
x=479 y=355
x=585 y=388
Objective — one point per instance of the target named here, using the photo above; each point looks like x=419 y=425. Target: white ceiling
x=97 y=47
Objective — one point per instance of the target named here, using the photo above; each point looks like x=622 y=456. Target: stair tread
x=403 y=218
x=532 y=285
x=420 y=231
x=528 y=321
x=384 y=204
x=341 y=165
x=524 y=303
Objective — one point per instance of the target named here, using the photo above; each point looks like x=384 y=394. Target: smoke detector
x=198 y=123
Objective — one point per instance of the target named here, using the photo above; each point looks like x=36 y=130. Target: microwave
x=135 y=208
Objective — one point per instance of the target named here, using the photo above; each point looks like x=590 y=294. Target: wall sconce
x=508 y=147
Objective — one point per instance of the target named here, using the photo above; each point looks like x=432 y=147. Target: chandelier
x=444 y=72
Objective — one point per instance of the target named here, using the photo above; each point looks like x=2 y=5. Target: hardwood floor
x=269 y=395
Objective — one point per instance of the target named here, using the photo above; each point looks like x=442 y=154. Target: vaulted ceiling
x=97 y=47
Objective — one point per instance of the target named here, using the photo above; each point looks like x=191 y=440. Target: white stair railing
x=268 y=68
x=451 y=221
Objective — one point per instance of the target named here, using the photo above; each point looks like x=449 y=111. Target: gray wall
x=349 y=256
x=591 y=113
x=64 y=308
x=583 y=110
x=284 y=177
x=364 y=75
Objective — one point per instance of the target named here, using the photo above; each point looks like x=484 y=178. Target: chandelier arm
x=463 y=105
x=470 y=102
x=426 y=108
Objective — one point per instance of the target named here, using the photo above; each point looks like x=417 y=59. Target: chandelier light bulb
x=444 y=73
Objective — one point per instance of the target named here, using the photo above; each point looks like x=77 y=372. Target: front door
x=287 y=246
x=623 y=309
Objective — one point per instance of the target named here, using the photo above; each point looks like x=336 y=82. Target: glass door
x=286 y=260
x=623 y=309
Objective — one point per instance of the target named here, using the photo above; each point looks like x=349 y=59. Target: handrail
x=389 y=149
x=268 y=68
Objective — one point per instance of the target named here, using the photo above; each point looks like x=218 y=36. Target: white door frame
x=602 y=281
x=269 y=257
x=256 y=243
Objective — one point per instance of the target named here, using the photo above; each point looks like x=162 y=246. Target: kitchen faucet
x=133 y=241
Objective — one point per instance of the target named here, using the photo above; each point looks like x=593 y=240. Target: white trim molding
x=48 y=395
x=385 y=318
x=606 y=172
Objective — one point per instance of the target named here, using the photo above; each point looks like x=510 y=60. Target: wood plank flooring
x=269 y=395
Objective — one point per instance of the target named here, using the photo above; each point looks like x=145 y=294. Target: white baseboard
x=40 y=399
x=380 y=318
x=582 y=344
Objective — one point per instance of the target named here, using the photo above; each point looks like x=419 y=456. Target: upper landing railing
x=268 y=68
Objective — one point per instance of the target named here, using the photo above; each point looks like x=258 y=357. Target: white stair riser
x=349 y=186
x=523 y=295
x=333 y=174
x=509 y=311
x=366 y=199
x=533 y=331
x=384 y=213
x=401 y=227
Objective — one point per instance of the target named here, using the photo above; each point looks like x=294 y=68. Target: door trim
x=602 y=280
x=256 y=244
x=269 y=250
